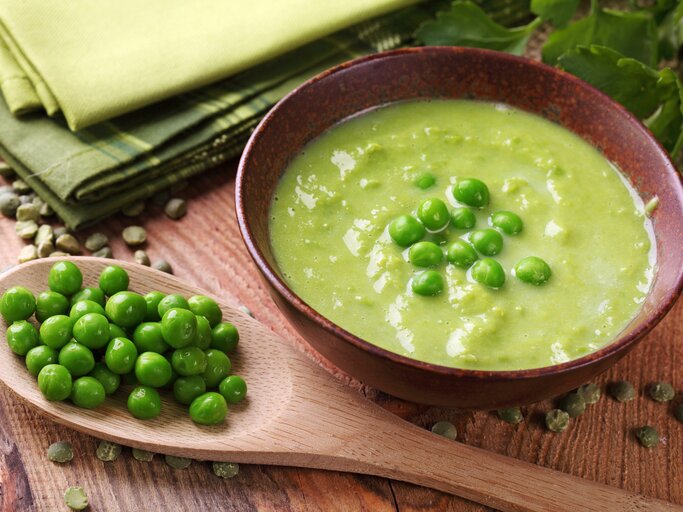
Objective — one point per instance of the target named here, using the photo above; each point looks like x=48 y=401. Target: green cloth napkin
x=94 y=60
x=90 y=174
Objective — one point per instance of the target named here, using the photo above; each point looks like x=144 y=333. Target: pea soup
x=464 y=233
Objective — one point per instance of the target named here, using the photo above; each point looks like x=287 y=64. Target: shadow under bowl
x=445 y=72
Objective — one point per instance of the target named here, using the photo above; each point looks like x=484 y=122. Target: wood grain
x=205 y=249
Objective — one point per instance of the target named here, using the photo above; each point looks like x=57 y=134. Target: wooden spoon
x=297 y=414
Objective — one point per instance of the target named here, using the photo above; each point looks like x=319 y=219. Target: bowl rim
x=618 y=345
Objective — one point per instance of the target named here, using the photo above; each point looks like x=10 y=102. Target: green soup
x=329 y=234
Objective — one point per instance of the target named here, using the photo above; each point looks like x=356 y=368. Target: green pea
x=208 y=409
x=65 y=278
x=83 y=307
x=113 y=280
x=148 y=338
x=89 y=293
x=126 y=309
x=425 y=254
x=120 y=355
x=110 y=381
x=472 y=192
x=433 y=213
x=425 y=180
x=54 y=382
x=233 y=389
x=17 y=303
x=461 y=254
x=427 y=283
x=463 y=218
x=202 y=305
x=87 y=392
x=92 y=330
x=179 y=327
x=144 y=403
x=39 y=357
x=406 y=230
x=49 y=304
x=56 y=331
x=186 y=389
x=116 y=332
x=152 y=369
x=488 y=272
x=76 y=358
x=153 y=299
x=189 y=361
x=532 y=270
x=508 y=222
x=203 y=337
x=22 y=336
x=488 y=242
x=225 y=337
x=217 y=367
x=172 y=301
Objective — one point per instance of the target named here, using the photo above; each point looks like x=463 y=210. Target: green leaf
x=633 y=34
x=646 y=92
x=559 y=12
x=465 y=24
x=671 y=32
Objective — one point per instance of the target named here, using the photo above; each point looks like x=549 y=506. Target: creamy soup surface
x=329 y=232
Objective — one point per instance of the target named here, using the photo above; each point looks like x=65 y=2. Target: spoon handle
x=402 y=451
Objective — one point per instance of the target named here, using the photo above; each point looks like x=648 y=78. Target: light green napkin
x=94 y=60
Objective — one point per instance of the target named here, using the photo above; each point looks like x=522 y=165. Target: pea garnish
x=148 y=338
x=17 y=303
x=120 y=356
x=406 y=230
x=472 y=192
x=189 y=361
x=92 y=330
x=56 y=331
x=218 y=367
x=433 y=213
x=429 y=282
x=488 y=272
x=461 y=254
x=508 y=222
x=205 y=306
x=76 y=358
x=532 y=270
x=425 y=254
x=225 y=337
x=488 y=242
x=152 y=369
x=179 y=327
x=426 y=180
x=463 y=218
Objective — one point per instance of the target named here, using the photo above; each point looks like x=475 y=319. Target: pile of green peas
x=91 y=341
x=433 y=216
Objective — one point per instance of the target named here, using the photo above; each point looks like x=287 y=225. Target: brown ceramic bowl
x=457 y=73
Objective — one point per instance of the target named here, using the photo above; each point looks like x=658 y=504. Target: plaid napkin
x=91 y=174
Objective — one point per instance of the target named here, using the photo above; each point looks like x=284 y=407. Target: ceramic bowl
x=440 y=72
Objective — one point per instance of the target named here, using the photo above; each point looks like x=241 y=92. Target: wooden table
x=205 y=248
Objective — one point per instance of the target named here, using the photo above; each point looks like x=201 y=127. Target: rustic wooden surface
x=205 y=248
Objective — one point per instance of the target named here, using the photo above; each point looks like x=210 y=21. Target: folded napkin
x=92 y=173
x=95 y=60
